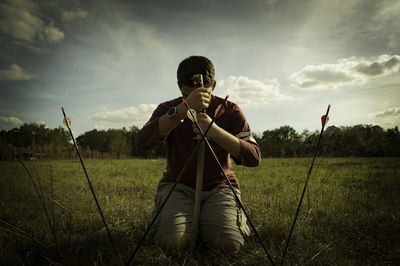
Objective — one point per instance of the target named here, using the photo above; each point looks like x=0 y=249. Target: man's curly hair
x=196 y=65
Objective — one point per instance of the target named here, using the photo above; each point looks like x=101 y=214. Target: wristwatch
x=173 y=114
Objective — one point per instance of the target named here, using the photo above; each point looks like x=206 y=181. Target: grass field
x=350 y=214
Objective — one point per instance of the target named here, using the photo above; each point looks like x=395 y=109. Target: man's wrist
x=181 y=111
x=214 y=131
x=173 y=114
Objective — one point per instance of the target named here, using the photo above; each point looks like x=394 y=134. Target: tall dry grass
x=350 y=213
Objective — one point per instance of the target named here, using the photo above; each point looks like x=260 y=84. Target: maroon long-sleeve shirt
x=181 y=141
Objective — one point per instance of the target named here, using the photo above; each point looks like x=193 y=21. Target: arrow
x=324 y=120
x=67 y=122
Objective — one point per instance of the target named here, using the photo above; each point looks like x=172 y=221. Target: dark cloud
x=393 y=112
x=346 y=71
x=21 y=20
x=377 y=68
x=15 y=72
x=327 y=75
x=388 y=118
x=374 y=25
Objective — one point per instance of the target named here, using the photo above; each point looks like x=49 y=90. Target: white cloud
x=345 y=72
x=20 y=19
x=10 y=122
x=15 y=72
x=388 y=118
x=132 y=115
x=245 y=91
x=50 y=34
x=68 y=16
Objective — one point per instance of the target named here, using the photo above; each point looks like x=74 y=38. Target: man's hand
x=199 y=99
x=203 y=120
x=220 y=136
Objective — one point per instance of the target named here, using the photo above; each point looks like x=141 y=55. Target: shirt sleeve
x=250 y=154
x=147 y=137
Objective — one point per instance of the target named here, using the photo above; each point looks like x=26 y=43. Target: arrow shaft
x=305 y=186
x=90 y=186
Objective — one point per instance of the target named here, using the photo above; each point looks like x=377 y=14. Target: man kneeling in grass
x=222 y=224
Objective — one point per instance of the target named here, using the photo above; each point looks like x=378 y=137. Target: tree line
x=35 y=141
x=351 y=141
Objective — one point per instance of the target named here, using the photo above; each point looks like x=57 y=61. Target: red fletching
x=62 y=109
x=68 y=121
x=183 y=101
x=323 y=118
x=223 y=109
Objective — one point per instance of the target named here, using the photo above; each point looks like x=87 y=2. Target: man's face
x=186 y=90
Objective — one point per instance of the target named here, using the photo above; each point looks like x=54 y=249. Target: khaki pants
x=220 y=215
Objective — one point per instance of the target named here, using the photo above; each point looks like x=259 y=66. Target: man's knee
x=225 y=245
x=176 y=241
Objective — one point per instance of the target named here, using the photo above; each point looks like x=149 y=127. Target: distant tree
x=331 y=141
x=133 y=130
x=280 y=142
x=117 y=142
x=308 y=141
x=392 y=144
x=375 y=141
x=94 y=139
x=39 y=139
x=270 y=144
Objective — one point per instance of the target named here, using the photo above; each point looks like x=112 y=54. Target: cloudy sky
x=109 y=63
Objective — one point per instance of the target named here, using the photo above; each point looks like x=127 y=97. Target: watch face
x=172 y=111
